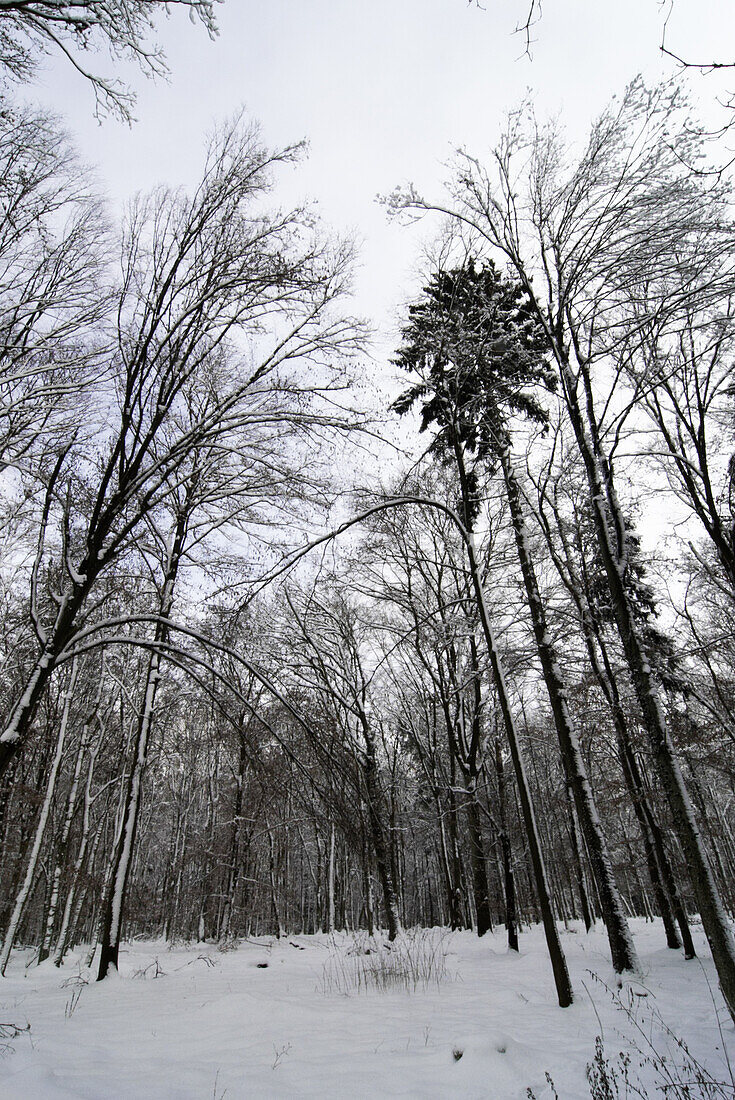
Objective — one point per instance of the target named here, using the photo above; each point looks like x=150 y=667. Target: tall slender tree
x=634 y=219
x=479 y=352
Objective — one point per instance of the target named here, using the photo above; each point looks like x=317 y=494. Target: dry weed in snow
x=436 y=1016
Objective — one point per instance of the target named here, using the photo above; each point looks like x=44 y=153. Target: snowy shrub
x=415 y=960
x=655 y=1062
x=656 y=1059
x=647 y=1071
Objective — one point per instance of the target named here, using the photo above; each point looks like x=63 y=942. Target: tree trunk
x=659 y=864
x=67 y=919
x=477 y=860
x=642 y=813
x=584 y=901
x=275 y=906
x=330 y=881
x=509 y=887
x=378 y=832
x=603 y=500
x=621 y=942
x=25 y=890
x=556 y=954
x=233 y=867
x=369 y=900
x=112 y=913
x=62 y=847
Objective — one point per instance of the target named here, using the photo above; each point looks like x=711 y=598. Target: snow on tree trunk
x=233 y=869
x=25 y=890
x=659 y=865
x=378 y=831
x=637 y=796
x=556 y=954
x=584 y=900
x=714 y=918
x=66 y=919
x=330 y=881
x=369 y=891
x=111 y=924
x=621 y=942
x=511 y=916
x=478 y=863
x=62 y=846
x=275 y=907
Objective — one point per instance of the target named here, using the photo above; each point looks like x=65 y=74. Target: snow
x=223 y=1025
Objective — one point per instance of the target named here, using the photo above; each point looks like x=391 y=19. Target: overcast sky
x=383 y=90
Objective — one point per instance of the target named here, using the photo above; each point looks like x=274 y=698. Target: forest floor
x=445 y=1015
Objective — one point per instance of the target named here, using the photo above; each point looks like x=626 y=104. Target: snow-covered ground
x=302 y=1018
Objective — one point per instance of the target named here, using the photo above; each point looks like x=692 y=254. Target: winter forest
x=368 y=688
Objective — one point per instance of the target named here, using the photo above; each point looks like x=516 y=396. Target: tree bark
x=584 y=900
x=556 y=954
x=330 y=880
x=122 y=856
x=511 y=917
x=25 y=890
x=621 y=942
x=378 y=832
x=604 y=501
x=233 y=867
x=478 y=861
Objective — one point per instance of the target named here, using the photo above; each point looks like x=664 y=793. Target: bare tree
x=54 y=284
x=122 y=27
x=196 y=271
x=681 y=370
x=418 y=568
x=475 y=353
x=584 y=238
x=334 y=666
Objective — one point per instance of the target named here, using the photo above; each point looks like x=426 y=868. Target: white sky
x=383 y=91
